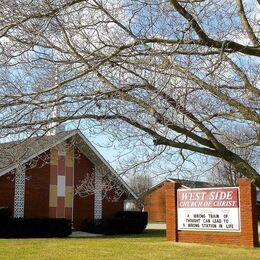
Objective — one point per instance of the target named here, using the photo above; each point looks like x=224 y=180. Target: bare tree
x=110 y=186
x=223 y=172
x=174 y=74
x=140 y=184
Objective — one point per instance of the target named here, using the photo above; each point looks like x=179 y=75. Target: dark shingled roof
x=13 y=153
x=186 y=183
x=195 y=184
x=16 y=153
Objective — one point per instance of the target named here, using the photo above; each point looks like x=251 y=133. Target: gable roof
x=185 y=184
x=194 y=184
x=17 y=153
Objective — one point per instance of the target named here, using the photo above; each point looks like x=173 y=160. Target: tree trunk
x=242 y=166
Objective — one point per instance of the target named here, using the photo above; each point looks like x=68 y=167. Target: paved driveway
x=156 y=226
x=83 y=234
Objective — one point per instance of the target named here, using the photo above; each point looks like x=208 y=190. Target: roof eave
x=71 y=134
x=15 y=165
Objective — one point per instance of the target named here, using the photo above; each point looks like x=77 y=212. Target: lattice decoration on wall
x=19 y=192
x=98 y=195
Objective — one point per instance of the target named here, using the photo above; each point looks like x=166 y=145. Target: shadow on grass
x=148 y=233
x=154 y=233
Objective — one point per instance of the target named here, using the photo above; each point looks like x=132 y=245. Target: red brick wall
x=37 y=193
x=83 y=208
x=36 y=189
x=110 y=207
x=155 y=205
x=36 y=203
x=7 y=190
x=248 y=213
x=171 y=210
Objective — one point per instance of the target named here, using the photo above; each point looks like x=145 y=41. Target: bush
x=124 y=222
x=48 y=227
x=5 y=214
x=142 y=217
x=93 y=226
x=115 y=226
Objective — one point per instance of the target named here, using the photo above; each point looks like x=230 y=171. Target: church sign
x=214 y=209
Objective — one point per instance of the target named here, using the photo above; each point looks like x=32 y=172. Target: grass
x=150 y=245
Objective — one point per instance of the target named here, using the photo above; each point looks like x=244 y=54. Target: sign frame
x=210 y=230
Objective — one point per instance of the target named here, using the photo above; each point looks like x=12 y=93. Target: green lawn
x=151 y=245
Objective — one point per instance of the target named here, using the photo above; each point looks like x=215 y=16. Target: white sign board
x=214 y=209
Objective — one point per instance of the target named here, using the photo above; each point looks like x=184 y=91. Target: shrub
x=47 y=227
x=124 y=222
x=93 y=226
x=142 y=217
x=115 y=226
x=5 y=214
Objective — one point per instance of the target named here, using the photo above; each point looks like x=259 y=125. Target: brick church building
x=44 y=177
x=154 y=199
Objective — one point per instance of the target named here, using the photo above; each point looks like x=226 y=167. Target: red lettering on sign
x=208 y=198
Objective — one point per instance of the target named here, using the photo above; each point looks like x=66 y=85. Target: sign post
x=214 y=215
x=208 y=209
